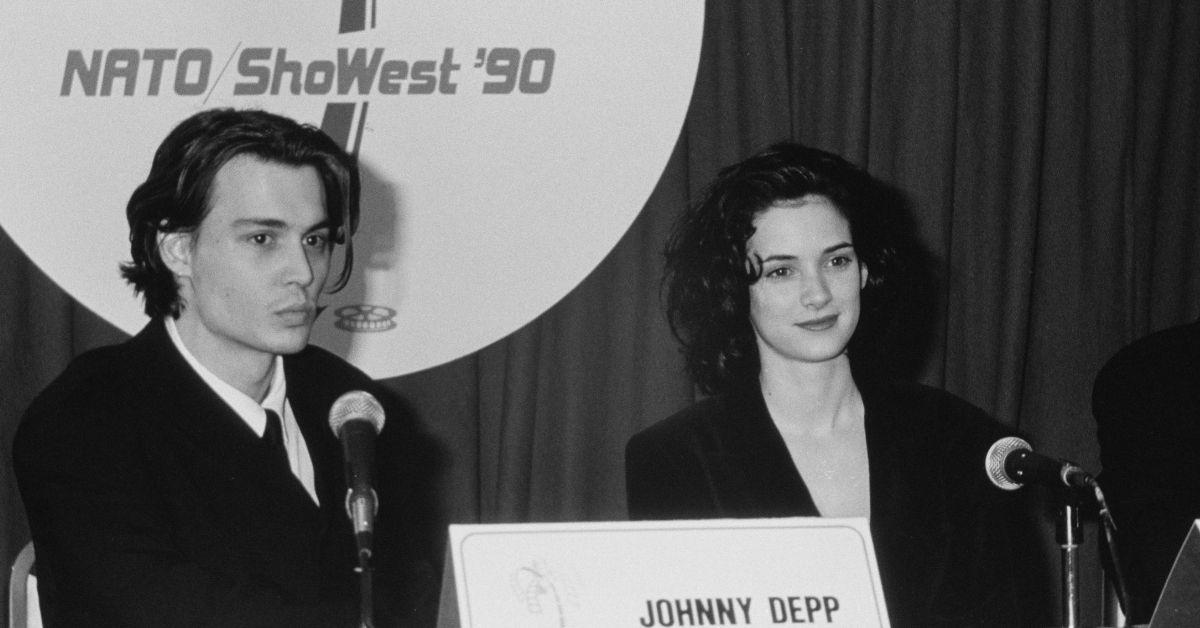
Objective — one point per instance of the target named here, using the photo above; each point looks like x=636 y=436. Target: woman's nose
x=815 y=292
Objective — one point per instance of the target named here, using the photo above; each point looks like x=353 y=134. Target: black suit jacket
x=945 y=538
x=151 y=503
x=1146 y=401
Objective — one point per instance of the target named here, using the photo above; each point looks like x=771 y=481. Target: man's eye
x=260 y=238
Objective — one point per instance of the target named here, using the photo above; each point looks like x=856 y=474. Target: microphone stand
x=366 y=605
x=1069 y=535
x=362 y=513
x=1110 y=545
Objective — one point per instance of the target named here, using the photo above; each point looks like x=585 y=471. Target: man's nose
x=297 y=267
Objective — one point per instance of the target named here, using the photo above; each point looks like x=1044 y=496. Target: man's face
x=251 y=273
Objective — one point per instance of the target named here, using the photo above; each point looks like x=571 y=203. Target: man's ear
x=175 y=249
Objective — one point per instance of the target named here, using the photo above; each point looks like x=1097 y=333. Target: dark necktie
x=273 y=439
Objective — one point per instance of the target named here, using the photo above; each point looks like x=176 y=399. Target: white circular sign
x=505 y=145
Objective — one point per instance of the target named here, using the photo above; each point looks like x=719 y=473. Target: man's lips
x=298 y=314
x=819 y=324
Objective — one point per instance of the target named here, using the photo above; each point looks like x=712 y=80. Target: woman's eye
x=317 y=240
x=782 y=271
x=841 y=260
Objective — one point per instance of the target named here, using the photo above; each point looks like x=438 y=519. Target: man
x=188 y=476
x=1146 y=401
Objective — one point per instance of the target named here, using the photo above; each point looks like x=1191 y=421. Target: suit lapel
x=904 y=472
x=756 y=471
x=908 y=521
x=201 y=421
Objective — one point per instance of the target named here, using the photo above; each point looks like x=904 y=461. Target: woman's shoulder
x=693 y=418
x=917 y=397
x=703 y=420
x=938 y=413
x=943 y=434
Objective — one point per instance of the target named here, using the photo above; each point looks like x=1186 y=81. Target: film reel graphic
x=365 y=318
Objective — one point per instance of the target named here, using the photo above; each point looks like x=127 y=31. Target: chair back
x=23 y=609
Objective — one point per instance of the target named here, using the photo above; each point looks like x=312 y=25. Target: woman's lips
x=819 y=324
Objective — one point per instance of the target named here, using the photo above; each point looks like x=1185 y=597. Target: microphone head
x=997 y=455
x=355 y=405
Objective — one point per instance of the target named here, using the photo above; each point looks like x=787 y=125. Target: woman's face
x=805 y=305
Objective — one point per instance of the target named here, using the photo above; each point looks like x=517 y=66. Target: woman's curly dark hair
x=707 y=277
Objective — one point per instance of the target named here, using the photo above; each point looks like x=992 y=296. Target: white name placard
x=1178 y=605
x=721 y=572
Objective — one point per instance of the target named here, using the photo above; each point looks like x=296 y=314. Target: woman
x=773 y=281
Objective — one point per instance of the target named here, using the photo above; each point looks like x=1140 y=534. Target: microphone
x=355 y=418
x=1011 y=463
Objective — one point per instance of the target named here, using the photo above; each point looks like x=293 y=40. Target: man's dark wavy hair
x=176 y=194
x=707 y=277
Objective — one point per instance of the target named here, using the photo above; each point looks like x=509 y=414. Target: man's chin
x=288 y=344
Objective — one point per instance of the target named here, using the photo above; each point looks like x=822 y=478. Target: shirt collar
x=248 y=409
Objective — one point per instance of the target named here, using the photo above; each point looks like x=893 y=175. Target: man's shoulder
x=317 y=377
x=314 y=363
x=1164 y=353
x=1153 y=377
x=77 y=407
x=91 y=376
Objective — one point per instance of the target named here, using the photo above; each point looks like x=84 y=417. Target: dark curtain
x=1048 y=152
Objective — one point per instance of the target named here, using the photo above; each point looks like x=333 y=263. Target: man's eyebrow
x=275 y=223
x=271 y=223
x=324 y=224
